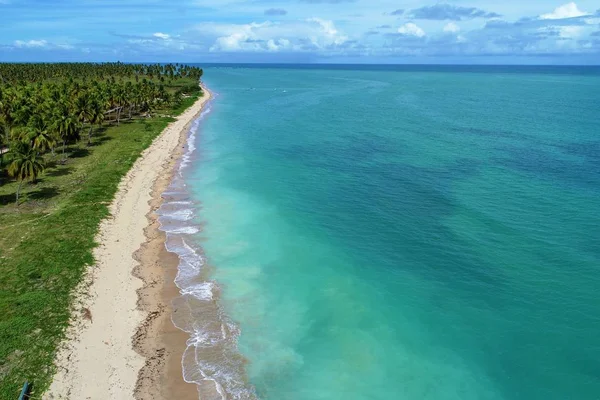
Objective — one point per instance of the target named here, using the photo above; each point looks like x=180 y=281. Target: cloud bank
x=450 y=12
x=275 y=11
x=340 y=30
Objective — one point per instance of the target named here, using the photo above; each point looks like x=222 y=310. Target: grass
x=185 y=103
x=46 y=244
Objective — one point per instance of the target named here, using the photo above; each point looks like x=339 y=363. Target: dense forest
x=44 y=107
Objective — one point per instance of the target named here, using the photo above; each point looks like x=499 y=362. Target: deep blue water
x=403 y=232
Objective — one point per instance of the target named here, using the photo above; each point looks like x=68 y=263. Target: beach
x=121 y=342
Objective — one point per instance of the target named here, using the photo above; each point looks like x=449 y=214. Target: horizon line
x=303 y=63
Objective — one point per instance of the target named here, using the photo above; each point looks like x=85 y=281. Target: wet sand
x=157 y=339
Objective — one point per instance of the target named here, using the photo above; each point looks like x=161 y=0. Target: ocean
x=388 y=232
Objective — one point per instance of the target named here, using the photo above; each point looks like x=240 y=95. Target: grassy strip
x=46 y=245
x=185 y=103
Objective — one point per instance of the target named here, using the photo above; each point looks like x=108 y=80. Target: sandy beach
x=121 y=343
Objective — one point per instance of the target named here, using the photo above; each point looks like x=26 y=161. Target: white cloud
x=570 y=32
x=569 y=10
x=240 y=37
x=160 y=41
x=411 y=29
x=42 y=44
x=31 y=43
x=451 y=27
x=329 y=31
x=310 y=34
x=140 y=41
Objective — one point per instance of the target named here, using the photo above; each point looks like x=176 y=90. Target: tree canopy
x=50 y=105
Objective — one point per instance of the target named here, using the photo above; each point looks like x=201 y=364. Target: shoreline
x=138 y=352
x=157 y=339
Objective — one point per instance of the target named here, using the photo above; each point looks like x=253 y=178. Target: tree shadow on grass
x=7 y=198
x=28 y=199
x=44 y=193
x=98 y=140
x=100 y=137
x=79 y=153
x=59 y=171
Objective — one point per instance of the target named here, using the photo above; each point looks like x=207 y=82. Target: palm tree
x=162 y=94
x=96 y=117
x=83 y=107
x=120 y=99
x=65 y=125
x=7 y=109
x=27 y=164
x=169 y=99
x=42 y=138
x=129 y=97
x=84 y=111
x=46 y=104
x=3 y=143
x=22 y=108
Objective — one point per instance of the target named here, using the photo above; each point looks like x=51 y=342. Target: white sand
x=98 y=360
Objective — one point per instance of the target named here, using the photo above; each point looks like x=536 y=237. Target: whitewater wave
x=211 y=359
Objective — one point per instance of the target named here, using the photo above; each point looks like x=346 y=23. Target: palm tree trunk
x=63 y=152
x=90 y=135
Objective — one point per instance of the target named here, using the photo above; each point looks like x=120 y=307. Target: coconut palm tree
x=65 y=125
x=129 y=97
x=3 y=143
x=162 y=94
x=83 y=107
x=48 y=103
x=27 y=164
x=96 y=117
x=7 y=105
x=120 y=99
x=41 y=137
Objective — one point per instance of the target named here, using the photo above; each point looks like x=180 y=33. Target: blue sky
x=339 y=31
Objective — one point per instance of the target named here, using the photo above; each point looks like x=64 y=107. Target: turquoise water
x=380 y=234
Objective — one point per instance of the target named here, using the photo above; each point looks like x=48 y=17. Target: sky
x=302 y=31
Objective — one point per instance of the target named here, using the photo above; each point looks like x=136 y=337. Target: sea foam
x=211 y=359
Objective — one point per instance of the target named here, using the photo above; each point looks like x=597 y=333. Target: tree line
x=45 y=107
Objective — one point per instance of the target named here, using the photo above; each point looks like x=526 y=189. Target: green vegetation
x=69 y=133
